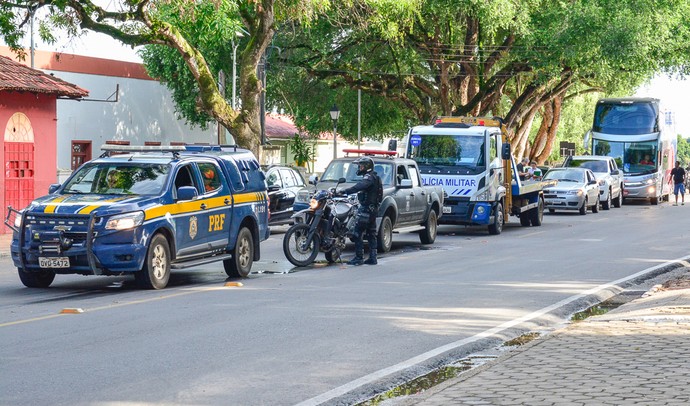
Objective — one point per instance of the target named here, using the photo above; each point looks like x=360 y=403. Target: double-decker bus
x=636 y=132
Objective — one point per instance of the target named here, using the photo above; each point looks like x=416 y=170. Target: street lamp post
x=335 y=113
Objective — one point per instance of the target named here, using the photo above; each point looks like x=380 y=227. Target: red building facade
x=28 y=122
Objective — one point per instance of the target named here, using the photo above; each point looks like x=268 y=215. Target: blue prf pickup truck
x=144 y=211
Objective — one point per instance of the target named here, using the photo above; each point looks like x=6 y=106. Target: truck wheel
x=156 y=271
x=619 y=200
x=607 y=203
x=583 y=208
x=654 y=201
x=385 y=237
x=41 y=279
x=537 y=214
x=595 y=208
x=242 y=256
x=428 y=235
x=525 y=218
x=496 y=227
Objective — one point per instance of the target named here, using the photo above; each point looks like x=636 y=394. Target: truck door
x=419 y=196
x=188 y=238
x=404 y=196
x=214 y=204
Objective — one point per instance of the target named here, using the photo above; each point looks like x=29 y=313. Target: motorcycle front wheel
x=295 y=246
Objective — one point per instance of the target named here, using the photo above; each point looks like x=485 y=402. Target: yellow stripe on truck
x=53 y=204
x=194 y=206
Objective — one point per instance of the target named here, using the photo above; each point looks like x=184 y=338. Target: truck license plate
x=53 y=262
x=446 y=209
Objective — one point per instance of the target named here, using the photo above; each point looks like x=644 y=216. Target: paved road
x=333 y=334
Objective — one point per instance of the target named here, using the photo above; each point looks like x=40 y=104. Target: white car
x=577 y=189
x=609 y=177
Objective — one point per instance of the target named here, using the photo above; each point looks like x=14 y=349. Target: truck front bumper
x=464 y=212
x=45 y=243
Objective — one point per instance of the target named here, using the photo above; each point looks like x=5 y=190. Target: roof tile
x=15 y=76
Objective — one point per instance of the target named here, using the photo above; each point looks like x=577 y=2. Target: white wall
x=145 y=112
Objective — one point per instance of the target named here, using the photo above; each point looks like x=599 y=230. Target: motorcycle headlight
x=313 y=204
x=125 y=221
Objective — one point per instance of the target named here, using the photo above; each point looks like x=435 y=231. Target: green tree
x=520 y=60
x=683 y=154
x=180 y=27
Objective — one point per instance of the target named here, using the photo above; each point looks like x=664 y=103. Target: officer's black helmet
x=365 y=165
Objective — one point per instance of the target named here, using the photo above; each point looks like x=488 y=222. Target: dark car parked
x=283 y=184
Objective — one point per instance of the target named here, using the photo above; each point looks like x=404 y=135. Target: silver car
x=577 y=189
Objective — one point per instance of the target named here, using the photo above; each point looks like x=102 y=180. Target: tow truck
x=468 y=157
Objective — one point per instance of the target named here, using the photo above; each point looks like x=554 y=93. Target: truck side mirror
x=53 y=188
x=392 y=145
x=313 y=179
x=505 y=151
x=187 y=193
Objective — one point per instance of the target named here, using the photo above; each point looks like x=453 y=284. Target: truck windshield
x=118 y=179
x=448 y=151
x=629 y=118
x=635 y=158
x=348 y=170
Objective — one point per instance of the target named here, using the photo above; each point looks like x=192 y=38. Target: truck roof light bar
x=370 y=152
x=110 y=149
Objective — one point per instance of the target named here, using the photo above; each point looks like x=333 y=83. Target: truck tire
x=607 y=203
x=156 y=271
x=496 y=227
x=242 y=255
x=428 y=235
x=385 y=235
x=619 y=200
x=41 y=279
x=537 y=214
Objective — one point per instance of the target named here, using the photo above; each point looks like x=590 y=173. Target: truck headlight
x=125 y=221
x=18 y=219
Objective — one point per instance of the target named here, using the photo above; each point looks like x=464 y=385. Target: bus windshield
x=629 y=118
x=635 y=158
x=452 y=152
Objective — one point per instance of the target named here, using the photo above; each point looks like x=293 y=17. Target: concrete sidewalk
x=637 y=354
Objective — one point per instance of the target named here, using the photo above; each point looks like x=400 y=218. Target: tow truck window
x=118 y=179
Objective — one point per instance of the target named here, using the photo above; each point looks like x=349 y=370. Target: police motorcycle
x=324 y=226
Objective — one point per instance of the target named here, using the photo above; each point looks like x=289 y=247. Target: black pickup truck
x=407 y=206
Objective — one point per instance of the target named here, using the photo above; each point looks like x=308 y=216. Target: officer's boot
x=357 y=260
x=372 y=257
x=359 y=253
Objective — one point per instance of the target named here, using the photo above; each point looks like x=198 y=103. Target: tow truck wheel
x=242 y=257
x=537 y=214
x=41 y=279
x=496 y=227
x=156 y=271
x=385 y=237
x=428 y=235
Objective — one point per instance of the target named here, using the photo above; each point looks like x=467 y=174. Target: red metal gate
x=19 y=174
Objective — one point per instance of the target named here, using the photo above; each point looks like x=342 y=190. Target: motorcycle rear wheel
x=295 y=248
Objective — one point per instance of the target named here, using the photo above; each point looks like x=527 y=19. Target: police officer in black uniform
x=367 y=191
